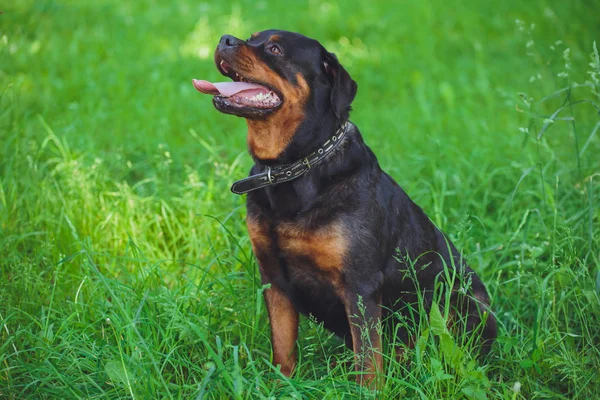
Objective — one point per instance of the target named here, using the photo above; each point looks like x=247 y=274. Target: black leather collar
x=288 y=172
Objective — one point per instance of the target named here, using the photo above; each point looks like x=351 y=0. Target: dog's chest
x=323 y=248
x=311 y=265
x=290 y=253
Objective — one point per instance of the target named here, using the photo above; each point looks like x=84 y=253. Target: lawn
x=126 y=269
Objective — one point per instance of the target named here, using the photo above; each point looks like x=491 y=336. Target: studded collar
x=288 y=172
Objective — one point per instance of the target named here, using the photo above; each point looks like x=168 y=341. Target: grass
x=125 y=265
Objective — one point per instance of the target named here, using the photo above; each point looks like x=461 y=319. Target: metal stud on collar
x=306 y=162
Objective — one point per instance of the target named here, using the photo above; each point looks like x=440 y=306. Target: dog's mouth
x=241 y=97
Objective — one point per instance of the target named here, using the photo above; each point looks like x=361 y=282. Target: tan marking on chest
x=326 y=247
x=259 y=236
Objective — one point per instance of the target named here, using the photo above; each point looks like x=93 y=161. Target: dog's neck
x=273 y=143
x=299 y=196
x=277 y=174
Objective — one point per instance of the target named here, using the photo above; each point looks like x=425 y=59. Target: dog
x=335 y=237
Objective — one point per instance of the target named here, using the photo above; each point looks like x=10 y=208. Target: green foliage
x=125 y=264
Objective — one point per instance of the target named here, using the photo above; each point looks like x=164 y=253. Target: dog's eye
x=274 y=49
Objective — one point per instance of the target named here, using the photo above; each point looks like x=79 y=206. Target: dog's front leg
x=284 y=328
x=282 y=313
x=364 y=316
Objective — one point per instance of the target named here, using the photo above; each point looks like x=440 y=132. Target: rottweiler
x=335 y=236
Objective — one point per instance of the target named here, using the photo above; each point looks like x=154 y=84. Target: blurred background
x=123 y=254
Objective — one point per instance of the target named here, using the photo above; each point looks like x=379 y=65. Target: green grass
x=126 y=269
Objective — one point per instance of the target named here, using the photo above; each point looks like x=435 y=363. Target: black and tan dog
x=334 y=235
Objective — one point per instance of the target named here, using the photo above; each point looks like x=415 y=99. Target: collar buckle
x=306 y=162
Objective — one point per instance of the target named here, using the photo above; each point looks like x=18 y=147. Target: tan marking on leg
x=284 y=329
x=283 y=316
x=366 y=338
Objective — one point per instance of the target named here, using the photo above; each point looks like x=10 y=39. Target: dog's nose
x=228 y=41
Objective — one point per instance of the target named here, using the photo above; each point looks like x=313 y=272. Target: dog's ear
x=344 y=87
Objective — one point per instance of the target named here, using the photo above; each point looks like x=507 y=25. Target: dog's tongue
x=224 y=88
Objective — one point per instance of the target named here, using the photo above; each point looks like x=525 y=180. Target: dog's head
x=285 y=84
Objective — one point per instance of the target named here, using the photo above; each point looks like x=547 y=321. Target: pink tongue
x=225 y=88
